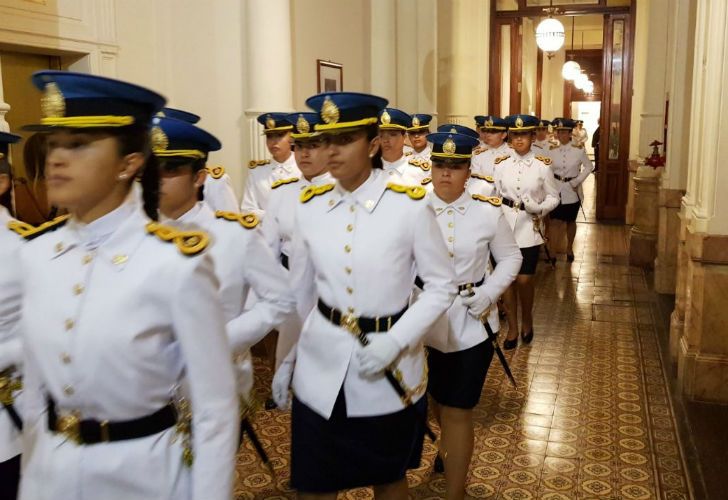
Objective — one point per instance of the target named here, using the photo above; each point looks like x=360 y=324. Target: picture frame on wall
x=330 y=76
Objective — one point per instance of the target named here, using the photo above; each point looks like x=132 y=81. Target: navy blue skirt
x=530 y=259
x=565 y=212
x=351 y=452
x=456 y=378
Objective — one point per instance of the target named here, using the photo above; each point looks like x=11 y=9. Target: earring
x=122 y=177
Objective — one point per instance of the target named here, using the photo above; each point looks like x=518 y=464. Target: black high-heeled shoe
x=439 y=466
x=509 y=344
x=527 y=337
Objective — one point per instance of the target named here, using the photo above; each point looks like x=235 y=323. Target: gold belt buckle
x=70 y=426
x=350 y=323
x=517 y=205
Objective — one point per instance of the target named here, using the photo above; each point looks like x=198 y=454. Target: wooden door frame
x=495 y=67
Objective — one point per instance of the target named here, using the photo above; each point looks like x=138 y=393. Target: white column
x=705 y=200
x=4 y=106
x=269 y=64
x=383 y=55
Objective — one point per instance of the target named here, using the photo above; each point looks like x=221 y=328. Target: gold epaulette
x=29 y=231
x=419 y=162
x=312 y=191
x=408 y=153
x=501 y=158
x=493 y=200
x=215 y=172
x=545 y=159
x=257 y=163
x=486 y=178
x=426 y=181
x=281 y=182
x=248 y=221
x=554 y=146
x=188 y=242
x=414 y=192
x=580 y=146
x=479 y=150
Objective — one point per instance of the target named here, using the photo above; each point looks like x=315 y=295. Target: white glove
x=574 y=183
x=477 y=303
x=282 y=381
x=531 y=206
x=378 y=355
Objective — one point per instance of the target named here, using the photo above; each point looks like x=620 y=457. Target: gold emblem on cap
x=489 y=122
x=270 y=122
x=540 y=124
x=329 y=111
x=302 y=125
x=161 y=114
x=386 y=119
x=453 y=130
x=160 y=141
x=52 y=104
x=519 y=122
x=415 y=122
x=449 y=146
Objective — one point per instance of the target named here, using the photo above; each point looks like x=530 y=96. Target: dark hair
x=6 y=199
x=136 y=139
x=372 y=132
x=179 y=162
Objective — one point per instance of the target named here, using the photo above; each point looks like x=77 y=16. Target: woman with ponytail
x=117 y=310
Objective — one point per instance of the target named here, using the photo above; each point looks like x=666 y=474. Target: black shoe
x=439 y=465
x=270 y=404
x=570 y=257
x=510 y=344
x=527 y=337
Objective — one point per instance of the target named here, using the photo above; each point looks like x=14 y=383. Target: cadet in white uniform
x=541 y=144
x=398 y=167
x=529 y=192
x=218 y=190
x=579 y=135
x=182 y=150
x=117 y=310
x=472 y=226
x=495 y=133
x=571 y=167
x=359 y=412
x=279 y=224
x=262 y=173
x=417 y=131
x=10 y=345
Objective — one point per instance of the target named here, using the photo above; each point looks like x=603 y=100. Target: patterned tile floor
x=591 y=417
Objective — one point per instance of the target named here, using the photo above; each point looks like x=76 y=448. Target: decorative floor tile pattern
x=591 y=417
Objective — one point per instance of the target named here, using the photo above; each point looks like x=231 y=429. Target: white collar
x=460 y=205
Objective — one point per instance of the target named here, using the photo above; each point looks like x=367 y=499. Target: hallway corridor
x=591 y=417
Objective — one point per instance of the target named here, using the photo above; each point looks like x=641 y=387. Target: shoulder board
x=545 y=159
x=414 y=192
x=537 y=146
x=408 y=153
x=554 y=146
x=248 y=221
x=418 y=162
x=426 y=181
x=486 y=178
x=501 y=158
x=493 y=200
x=257 y=163
x=29 y=232
x=188 y=242
x=580 y=146
x=312 y=191
x=479 y=150
x=216 y=172
x=281 y=182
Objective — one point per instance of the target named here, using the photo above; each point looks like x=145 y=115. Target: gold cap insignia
x=449 y=146
x=488 y=122
x=270 y=122
x=329 y=111
x=52 y=104
x=159 y=139
x=386 y=119
x=161 y=114
x=453 y=130
x=302 y=125
x=519 y=122
x=540 y=124
x=415 y=122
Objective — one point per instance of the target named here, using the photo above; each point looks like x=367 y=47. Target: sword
x=581 y=205
x=8 y=385
x=537 y=226
x=246 y=426
x=501 y=357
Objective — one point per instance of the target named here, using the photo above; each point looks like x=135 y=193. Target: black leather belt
x=365 y=325
x=284 y=260
x=563 y=179
x=89 y=431
x=510 y=203
x=468 y=286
